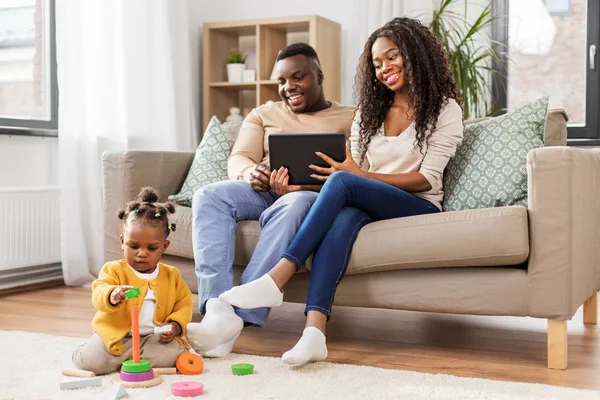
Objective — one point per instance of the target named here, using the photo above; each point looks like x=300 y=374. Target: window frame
x=37 y=127
x=588 y=135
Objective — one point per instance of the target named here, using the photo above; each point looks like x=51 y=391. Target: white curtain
x=124 y=76
x=375 y=13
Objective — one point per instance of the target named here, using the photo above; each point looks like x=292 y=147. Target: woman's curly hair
x=428 y=75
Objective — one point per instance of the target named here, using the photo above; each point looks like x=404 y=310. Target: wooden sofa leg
x=590 y=310
x=557 y=344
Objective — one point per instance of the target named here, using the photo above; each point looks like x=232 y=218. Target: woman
x=408 y=125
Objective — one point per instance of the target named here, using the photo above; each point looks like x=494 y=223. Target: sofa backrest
x=556 y=127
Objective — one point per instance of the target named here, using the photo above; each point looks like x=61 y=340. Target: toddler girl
x=165 y=299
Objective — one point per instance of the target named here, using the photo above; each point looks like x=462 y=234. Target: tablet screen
x=296 y=151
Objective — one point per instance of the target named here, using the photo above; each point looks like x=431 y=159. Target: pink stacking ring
x=137 y=376
x=187 y=389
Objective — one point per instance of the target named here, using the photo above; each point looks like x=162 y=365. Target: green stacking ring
x=135 y=292
x=130 y=366
x=242 y=369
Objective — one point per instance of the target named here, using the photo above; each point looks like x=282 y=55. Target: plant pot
x=235 y=72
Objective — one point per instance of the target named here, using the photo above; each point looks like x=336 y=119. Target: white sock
x=222 y=350
x=220 y=324
x=311 y=347
x=262 y=292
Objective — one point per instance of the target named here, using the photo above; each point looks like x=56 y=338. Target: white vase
x=235 y=72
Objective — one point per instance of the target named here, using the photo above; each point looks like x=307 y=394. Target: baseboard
x=27 y=277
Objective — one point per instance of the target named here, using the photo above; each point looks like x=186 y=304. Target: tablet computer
x=296 y=151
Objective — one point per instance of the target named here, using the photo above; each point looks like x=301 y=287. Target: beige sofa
x=542 y=261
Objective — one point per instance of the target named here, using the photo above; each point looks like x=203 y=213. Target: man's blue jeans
x=216 y=210
x=346 y=203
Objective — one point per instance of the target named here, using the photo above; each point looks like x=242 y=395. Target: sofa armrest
x=124 y=174
x=564 y=228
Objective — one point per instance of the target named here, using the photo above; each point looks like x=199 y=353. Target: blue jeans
x=346 y=203
x=216 y=210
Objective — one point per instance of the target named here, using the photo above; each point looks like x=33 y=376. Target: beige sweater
x=252 y=145
x=400 y=154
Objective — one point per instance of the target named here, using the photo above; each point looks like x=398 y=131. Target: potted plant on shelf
x=235 y=65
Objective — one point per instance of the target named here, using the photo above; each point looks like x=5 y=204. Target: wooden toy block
x=76 y=383
x=165 y=371
x=117 y=391
x=77 y=372
x=162 y=329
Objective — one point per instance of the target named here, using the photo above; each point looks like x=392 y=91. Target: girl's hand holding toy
x=118 y=294
x=175 y=331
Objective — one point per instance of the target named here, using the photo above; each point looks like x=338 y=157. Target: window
x=558 y=7
x=28 y=87
x=551 y=47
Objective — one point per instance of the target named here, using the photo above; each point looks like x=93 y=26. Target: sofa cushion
x=181 y=239
x=482 y=237
x=210 y=162
x=489 y=168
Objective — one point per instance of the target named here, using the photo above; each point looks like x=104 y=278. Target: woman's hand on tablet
x=348 y=165
x=259 y=178
x=280 y=182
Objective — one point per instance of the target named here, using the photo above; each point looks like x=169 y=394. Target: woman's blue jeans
x=347 y=202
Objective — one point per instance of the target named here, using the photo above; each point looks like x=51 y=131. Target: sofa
x=540 y=261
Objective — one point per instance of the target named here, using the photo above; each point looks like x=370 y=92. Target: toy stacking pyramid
x=137 y=372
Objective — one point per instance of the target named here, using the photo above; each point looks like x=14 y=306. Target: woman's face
x=388 y=64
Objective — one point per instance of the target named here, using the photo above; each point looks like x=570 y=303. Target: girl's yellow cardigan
x=113 y=323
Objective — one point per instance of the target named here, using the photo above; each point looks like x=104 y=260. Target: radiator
x=29 y=235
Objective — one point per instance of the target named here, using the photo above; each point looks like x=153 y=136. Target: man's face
x=300 y=82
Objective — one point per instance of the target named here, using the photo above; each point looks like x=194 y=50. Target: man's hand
x=259 y=178
x=118 y=294
x=175 y=331
x=279 y=182
x=348 y=165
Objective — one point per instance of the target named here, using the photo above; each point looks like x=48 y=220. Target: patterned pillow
x=210 y=162
x=489 y=168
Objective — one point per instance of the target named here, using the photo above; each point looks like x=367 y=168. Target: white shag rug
x=30 y=366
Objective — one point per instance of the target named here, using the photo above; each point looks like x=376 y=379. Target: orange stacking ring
x=189 y=364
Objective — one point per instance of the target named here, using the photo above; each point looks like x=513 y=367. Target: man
x=217 y=208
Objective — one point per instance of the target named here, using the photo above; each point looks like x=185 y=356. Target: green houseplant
x=236 y=57
x=235 y=65
x=469 y=60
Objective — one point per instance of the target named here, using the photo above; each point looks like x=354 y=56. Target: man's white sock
x=311 y=347
x=220 y=324
x=222 y=350
x=262 y=292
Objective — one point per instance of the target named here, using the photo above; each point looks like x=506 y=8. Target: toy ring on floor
x=187 y=389
x=136 y=376
x=242 y=369
x=189 y=364
x=130 y=366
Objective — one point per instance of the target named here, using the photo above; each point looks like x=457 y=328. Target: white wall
x=28 y=161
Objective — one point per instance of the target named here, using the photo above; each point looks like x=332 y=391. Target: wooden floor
x=500 y=348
